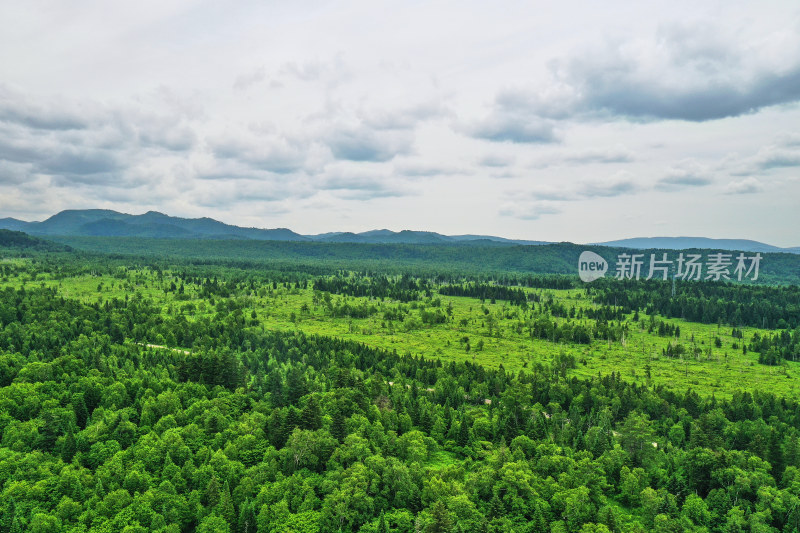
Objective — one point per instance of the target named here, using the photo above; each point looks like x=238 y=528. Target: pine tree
x=463 y=432
x=496 y=508
x=79 y=407
x=68 y=448
x=311 y=416
x=226 y=509
x=247 y=518
x=338 y=428
x=212 y=496
x=295 y=386
x=440 y=519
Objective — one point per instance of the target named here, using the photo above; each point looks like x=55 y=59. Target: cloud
x=588 y=156
x=268 y=153
x=496 y=161
x=349 y=181
x=12 y=173
x=685 y=72
x=248 y=79
x=609 y=155
x=307 y=70
x=687 y=174
x=18 y=108
x=365 y=144
x=75 y=161
x=404 y=118
x=777 y=158
x=122 y=147
x=607 y=189
x=529 y=210
x=165 y=133
x=220 y=194
x=783 y=152
x=533 y=203
x=674 y=182
x=505 y=126
x=53 y=154
x=746 y=186
x=428 y=170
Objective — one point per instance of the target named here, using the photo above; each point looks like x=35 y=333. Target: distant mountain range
x=108 y=223
x=685 y=243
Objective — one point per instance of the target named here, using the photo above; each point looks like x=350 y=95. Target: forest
x=166 y=394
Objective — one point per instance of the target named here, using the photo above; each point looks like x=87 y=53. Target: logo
x=591 y=266
x=718 y=266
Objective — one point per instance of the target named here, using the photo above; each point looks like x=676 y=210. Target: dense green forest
x=490 y=260
x=166 y=394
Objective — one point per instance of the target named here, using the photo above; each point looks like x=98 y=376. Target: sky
x=557 y=121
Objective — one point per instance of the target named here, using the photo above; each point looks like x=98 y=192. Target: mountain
x=107 y=223
x=12 y=224
x=385 y=236
x=684 y=243
x=19 y=240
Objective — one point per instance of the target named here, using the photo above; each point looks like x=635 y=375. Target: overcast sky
x=579 y=121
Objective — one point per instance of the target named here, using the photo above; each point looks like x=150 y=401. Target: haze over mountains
x=109 y=223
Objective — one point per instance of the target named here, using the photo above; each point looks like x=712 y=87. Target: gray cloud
x=504 y=125
x=778 y=158
x=680 y=181
x=172 y=137
x=75 y=161
x=353 y=184
x=406 y=118
x=529 y=210
x=617 y=185
x=607 y=189
x=108 y=148
x=687 y=73
x=496 y=161
x=422 y=170
x=783 y=153
x=248 y=79
x=14 y=173
x=364 y=144
x=746 y=186
x=306 y=71
x=789 y=139
x=52 y=154
x=220 y=194
x=611 y=155
x=586 y=157
x=686 y=174
x=17 y=108
x=535 y=203
x=271 y=154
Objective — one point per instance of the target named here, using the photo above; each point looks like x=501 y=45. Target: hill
x=104 y=222
x=108 y=223
x=487 y=257
x=19 y=240
x=683 y=243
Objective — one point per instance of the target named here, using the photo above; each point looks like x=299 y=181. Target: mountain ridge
x=685 y=243
x=154 y=224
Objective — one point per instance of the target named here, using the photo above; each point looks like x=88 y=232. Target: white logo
x=591 y=266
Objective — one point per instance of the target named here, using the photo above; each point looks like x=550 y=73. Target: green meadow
x=483 y=332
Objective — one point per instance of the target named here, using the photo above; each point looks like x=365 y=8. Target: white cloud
x=745 y=186
x=413 y=111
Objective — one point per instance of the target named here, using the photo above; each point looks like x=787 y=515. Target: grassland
x=491 y=334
